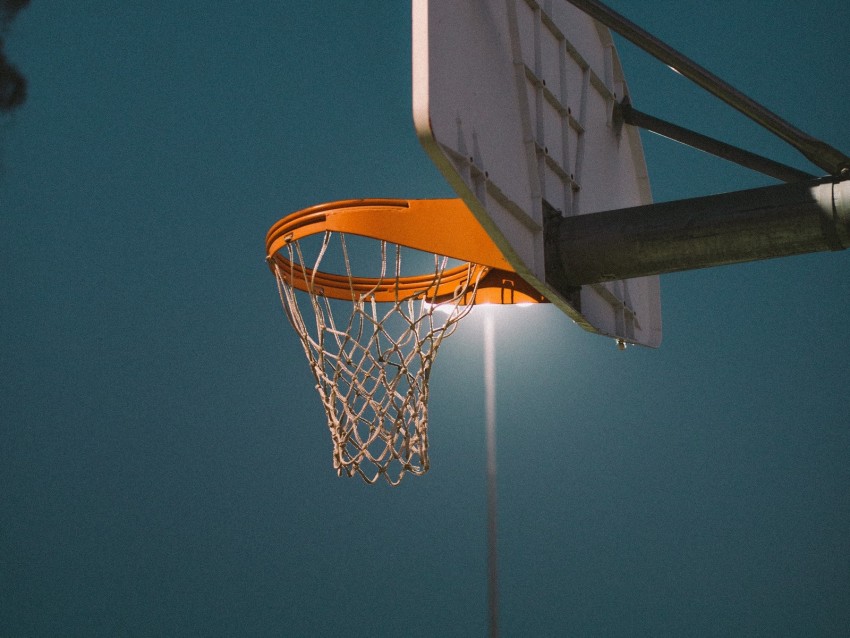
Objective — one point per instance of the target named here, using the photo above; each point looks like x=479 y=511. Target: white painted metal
x=513 y=101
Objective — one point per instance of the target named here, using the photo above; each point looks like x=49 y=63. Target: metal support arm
x=751 y=225
x=819 y=153
x=631 y=115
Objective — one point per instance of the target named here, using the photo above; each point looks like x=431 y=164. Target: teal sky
x=164 y=459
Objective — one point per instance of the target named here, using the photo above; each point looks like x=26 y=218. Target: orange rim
x=440 y=226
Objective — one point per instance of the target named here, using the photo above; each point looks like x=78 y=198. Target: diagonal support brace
x=630 y=115
x=816 y=151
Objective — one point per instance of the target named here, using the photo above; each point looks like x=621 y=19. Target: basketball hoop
x=374 y=339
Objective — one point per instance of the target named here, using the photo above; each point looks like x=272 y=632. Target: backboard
x=513 y=100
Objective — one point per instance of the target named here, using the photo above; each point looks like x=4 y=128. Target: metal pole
x=751 y=225
x=490 y=412
x=819 y=153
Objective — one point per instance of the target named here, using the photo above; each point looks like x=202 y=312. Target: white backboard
x=513 y=101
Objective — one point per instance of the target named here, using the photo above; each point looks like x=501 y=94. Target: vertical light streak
x=490 y=413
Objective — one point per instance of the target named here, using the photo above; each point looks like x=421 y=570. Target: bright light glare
x=445 y=308
x=449 y=308
x=520 y=304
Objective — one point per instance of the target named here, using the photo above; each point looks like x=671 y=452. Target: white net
x=372 y=356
